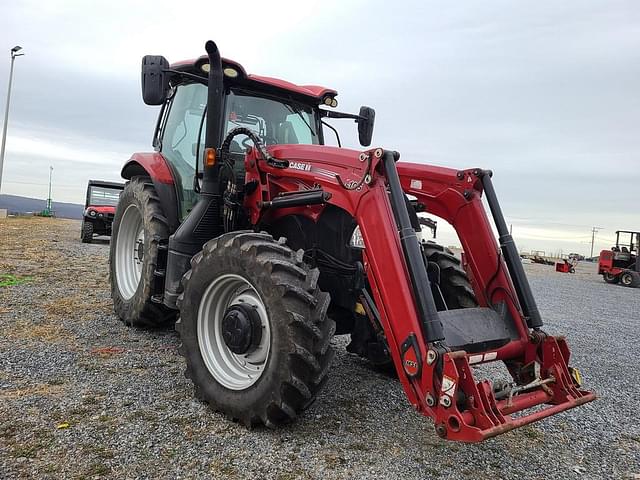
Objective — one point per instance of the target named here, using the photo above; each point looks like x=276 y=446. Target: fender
x=156 y=166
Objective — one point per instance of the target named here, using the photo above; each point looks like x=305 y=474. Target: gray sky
x=544 y=93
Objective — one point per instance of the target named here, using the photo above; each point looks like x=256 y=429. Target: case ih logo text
x=305 y=167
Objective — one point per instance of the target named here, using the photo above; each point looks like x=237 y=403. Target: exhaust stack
x=204 y=222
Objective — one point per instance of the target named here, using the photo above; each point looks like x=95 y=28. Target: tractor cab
x=276 y=111
x=621 y=264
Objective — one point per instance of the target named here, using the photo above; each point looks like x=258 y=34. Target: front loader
x=265 y=243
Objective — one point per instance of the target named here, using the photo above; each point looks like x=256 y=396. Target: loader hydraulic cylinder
x=511 y=256
x=431 y=325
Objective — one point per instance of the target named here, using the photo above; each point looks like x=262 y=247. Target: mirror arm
x=331 y=114
x=192 y=76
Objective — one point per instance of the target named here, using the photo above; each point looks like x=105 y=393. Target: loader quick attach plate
x=470 y=412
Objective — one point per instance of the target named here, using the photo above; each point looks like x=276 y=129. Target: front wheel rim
x=129 y=252
x=231 y=370
x=626 y=280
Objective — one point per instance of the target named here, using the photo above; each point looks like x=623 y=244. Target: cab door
x=179 y=140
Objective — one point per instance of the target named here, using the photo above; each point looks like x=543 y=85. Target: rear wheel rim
x=231 y=370
x=129 y=252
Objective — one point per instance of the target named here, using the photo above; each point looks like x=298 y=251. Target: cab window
x=274 y=120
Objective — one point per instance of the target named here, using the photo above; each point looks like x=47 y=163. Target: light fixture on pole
x=15 y=52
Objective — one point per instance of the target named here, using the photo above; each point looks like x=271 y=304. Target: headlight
x=356 y=239
x=92 y=213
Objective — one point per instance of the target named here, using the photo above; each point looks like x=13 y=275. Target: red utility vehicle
x=267 y=242
x=99 y=209
x=621 y=264
x=567 y=265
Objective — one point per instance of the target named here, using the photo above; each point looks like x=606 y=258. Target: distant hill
x=16 y=205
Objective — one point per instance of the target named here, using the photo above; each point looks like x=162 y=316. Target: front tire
x=86 y=232
x=274 y=375
x=630 y=279
x=451 y=290
x=139 y=227
x=454 y=285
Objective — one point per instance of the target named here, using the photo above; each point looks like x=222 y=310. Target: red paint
x=102 y=209
x=605 y=264
x=309 y=90
x=153 y=163
x=454 y=196
x=314 y=91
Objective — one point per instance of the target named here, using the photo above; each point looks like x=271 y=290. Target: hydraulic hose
x=271 y=160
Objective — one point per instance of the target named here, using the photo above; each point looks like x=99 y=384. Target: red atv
x=621 y=264
x=99 y=209
x=267 y=243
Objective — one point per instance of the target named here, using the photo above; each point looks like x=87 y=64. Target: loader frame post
x=511 y=256
x=431 y=325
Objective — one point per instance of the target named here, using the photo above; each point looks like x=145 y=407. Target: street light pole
x=14 y=53
x=49 y=203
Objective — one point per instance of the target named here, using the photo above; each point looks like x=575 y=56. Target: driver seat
x=285 y=133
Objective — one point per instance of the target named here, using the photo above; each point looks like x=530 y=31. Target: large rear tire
x=610 y=278
x=139 y=227
x=274 y=366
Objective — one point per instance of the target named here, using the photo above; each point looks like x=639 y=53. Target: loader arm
x=432 y=352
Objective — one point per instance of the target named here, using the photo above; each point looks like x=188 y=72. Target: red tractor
x=99 y=209
x=621 y=264
x=266 y=243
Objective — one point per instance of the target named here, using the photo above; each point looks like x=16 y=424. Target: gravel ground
x=67 y=361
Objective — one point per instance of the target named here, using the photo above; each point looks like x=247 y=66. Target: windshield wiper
x=298 y=111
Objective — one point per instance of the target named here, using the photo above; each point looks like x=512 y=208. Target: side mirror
x=365 y=125
x=155 y=81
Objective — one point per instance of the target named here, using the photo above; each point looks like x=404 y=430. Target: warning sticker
x=487 y=357
x=417 y=184
x=448 y=385
x=475 y=359
x=490 y=356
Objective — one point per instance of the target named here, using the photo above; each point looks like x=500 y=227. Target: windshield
x=275 y=121
x=104 y=196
